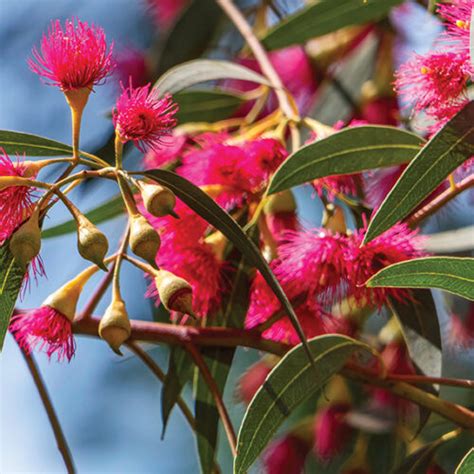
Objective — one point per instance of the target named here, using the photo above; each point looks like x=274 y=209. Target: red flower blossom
x=140 y=116
x=252 y=379
x=286 y=455
x=395 y=245
x=72 y=58
x=131 y=64
x=240 y=169
x=435 y=83
x=458 y=21
x=168 y=151
x=313 y=263
x=45 y=329
x=462 y=331
x=15 y=201
x=331 y=432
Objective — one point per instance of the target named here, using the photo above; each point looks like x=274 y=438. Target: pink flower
x=169 y=150
x=252 y=379
x=185 y=253
x=15 y=201
x=435 y=83
x=458 y=21
x=395 y=245
x=313 y=319
x=382 y=111
x=131 y=65
x=72 y=58
x=45 y=329
x=241 y=169
x=281 y=222
x=286 y=455
x=165 y=12
x=142 y=117
x=331 y=432
x=295 y=70
x=462 y=332
x=313 y=263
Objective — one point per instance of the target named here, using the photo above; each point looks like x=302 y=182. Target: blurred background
x=109 y=407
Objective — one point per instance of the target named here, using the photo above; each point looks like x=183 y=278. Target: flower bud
x=115 y=326
x=158 y=200
x=175 y=293
x=91 y=242
x=144 y=240
x=25 y=243
x=280 y=203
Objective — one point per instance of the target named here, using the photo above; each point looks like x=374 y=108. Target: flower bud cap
x=159 y=201
x=115 y=326
x=91 y=242
x=175 y=292
x=25 y=243
x=144 y=240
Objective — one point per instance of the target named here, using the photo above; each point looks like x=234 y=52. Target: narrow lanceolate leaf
x=467 y=464
x=324 y=17
x=452 y=274
x=203 y=205
x=219 y=360
x=291 y=382
x=447 y=150
x=31 y=145
x=180 y=368
x=110 y=209
x=202 y=70
x=205 y=106
x=349 y=151
x=11 y=279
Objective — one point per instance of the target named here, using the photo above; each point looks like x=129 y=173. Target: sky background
x=109 y=407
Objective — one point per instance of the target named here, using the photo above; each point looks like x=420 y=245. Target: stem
x=155 y=368
x=50 y=412
x=214 y=389
x=239 y=20
x=440 y=200
x=422 y=379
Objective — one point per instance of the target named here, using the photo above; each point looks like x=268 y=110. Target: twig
x=239 y=20
x=50 y=412
x=440 y=200
x=214 y=389
x=160 y=375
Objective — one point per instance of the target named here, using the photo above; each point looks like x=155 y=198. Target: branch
x=214 y=389
x=160 y=375
x=440 y=200
x=239 y=20
x=50 y=412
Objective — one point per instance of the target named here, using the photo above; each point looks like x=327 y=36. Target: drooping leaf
x=205 y=106
x=349 y=151
x=419 y=461
x=290 y=382
x=31 y=145
x=203 y=205
x=447 y=150
x=324 y=17
x=467 y=464
x=110 y=209
x=11 y=279
x=180 y=368
x=452 y=274
x=202 y=70
x=191 y=35
x=219 y=360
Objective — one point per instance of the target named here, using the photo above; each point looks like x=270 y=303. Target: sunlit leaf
x=31 y=145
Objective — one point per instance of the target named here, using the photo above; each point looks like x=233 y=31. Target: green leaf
x=419 y=461
x=179 y=372
x=203 y=205
x=467 y=464
x=31 y=145
x=110 y=209
x=291 y=382
x=452 y=274
x=447 y=150
x=351 y=150
x=202 y=70
x=205 y=106
x=219 y=361
x=11 y=279
x=325 y=17
x=191 y=35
